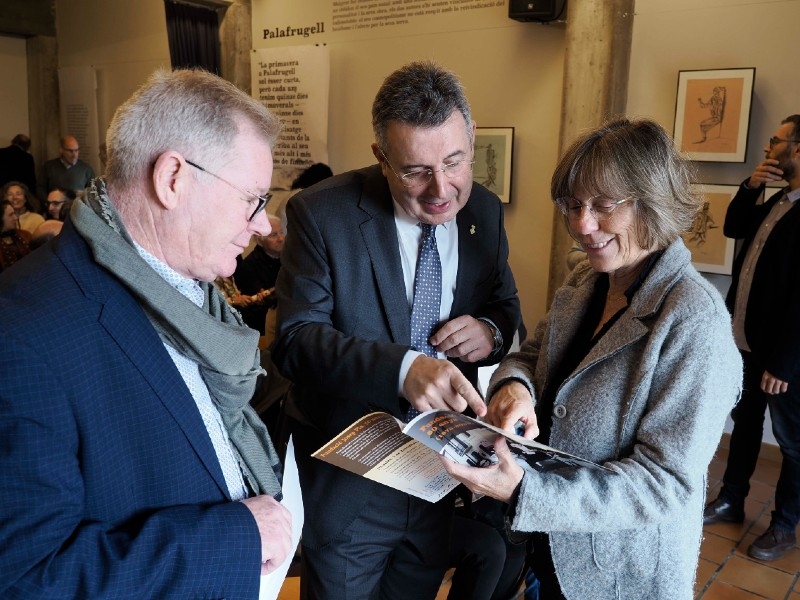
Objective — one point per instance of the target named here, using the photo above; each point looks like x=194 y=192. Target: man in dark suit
x=763 y=298
x=131 y=465
x=345 y=299
x=16 y=163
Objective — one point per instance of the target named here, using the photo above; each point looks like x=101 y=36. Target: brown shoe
x=772 y=544
x=721 y=510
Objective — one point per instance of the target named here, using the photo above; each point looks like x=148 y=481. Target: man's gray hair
x=637 y=159
x=420 y=94
x=190 y=111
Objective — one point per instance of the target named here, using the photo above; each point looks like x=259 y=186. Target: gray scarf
x=225 y=350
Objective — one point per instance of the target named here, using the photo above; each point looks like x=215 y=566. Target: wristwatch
x=496 y=335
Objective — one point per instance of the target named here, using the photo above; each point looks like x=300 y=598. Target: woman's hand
x=510 y=404
x=498 y=481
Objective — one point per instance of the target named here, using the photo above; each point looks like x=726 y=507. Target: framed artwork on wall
x=711 y=251
x=494 y=148
x=712 y=114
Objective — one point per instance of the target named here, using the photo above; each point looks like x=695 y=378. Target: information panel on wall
x=77 y=88
x=339 y=20
x=293 y=82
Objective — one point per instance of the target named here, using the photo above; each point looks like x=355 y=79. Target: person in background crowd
x=45 y=232
x=634 y=368
x=16 y=162
x=762 y=297
x=58 y=203
x=137 y=468
x=354 y=336
x=256 y=274
x=311 y=175
x=25 y=205
x=67 y=171
x=234 y=296
x=102 y=154
x=14 y=242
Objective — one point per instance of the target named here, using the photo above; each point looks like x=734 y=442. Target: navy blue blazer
x=109 y=483
x=344 y=319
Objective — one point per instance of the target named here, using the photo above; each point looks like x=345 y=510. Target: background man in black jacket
x=763 y=299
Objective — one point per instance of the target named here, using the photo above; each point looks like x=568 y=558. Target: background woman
x=24 y=203
x=634 y=367
x=14 y=242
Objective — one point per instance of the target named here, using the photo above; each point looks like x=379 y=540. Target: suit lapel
x=468 y=254
x=380 y=238
x=127 y=324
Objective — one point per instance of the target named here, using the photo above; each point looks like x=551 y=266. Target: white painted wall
x=123 y=41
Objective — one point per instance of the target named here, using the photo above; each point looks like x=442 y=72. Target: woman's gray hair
x=637 y=159
x=190 y=111
x=420 y=94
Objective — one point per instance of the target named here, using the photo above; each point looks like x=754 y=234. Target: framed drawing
x=711 y=251
x=712 y=114
x=494 y=148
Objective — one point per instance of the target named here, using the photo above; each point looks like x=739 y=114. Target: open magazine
x=404 y=455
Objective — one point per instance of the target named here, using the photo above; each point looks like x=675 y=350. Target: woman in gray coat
x=634 y=367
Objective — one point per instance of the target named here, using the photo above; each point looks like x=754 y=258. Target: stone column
x=596 y=64
x=236 y=42
x=43 y=103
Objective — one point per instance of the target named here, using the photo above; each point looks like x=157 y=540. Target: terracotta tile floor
x=724 y=572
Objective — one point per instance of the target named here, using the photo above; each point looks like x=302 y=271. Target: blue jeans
x=784 y=409
x=748 y=418
x=748 y=428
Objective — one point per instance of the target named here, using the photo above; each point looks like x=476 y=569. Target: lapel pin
x=472 y=230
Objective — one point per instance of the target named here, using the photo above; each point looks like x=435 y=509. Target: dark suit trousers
x=395 y=550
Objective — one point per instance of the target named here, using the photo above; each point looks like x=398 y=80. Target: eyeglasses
x=260 y=201
x=600 y=211
x=774 y=140
x=422 y=177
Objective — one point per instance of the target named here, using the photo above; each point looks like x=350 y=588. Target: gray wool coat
x=649 y=402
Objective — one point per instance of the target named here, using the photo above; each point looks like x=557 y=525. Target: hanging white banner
x=293 y=82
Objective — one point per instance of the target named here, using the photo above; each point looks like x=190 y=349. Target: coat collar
x=379 y=233
x=125 y=322
x=570 y=302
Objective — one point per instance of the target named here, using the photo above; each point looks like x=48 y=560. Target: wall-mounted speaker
x=535 y=10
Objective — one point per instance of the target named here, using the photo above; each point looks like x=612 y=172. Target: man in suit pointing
x=394 y=289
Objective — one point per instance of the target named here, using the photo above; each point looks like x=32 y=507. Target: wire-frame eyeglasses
x=422 y=177
x=600 y=211
x=774 y=140
x=260 y=201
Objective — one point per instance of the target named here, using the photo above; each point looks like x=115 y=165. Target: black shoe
x=722 y=511
x=772 y=544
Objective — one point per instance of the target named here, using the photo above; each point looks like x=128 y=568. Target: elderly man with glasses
x=137 y=468
x=763 y=298
x=370 y=320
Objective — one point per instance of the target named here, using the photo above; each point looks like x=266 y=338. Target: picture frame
x=711 y=251
x=494 y=152
x=712 y=114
